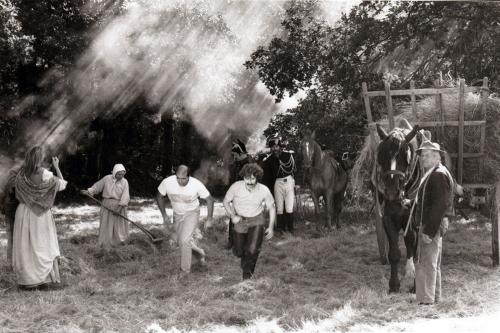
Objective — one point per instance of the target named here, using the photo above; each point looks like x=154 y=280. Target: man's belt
x=284 y=179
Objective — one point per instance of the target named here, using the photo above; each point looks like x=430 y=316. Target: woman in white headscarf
x=113 y=229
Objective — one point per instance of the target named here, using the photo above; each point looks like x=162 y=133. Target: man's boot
x=280 y=227
x=229 y=245
x=289 y=222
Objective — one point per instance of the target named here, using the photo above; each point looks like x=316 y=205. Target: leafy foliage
x=41 y=42
x=15 y=46
x=395 y=41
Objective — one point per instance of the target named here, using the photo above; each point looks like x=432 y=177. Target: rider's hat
x=273 y=140
x=239 y=147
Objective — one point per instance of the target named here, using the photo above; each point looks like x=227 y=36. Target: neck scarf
x=38 y=197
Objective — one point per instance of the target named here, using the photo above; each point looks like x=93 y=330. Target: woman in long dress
x=35 y=246
x=113 y=229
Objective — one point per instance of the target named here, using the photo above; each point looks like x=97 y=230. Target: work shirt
x=249 y=203
x=183 y=198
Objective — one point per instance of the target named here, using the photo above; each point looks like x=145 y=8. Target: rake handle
x=146 y=231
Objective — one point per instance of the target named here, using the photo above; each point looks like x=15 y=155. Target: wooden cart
x=480 y=191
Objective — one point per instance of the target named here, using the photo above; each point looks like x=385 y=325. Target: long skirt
x=35 y=249
x=113 y=229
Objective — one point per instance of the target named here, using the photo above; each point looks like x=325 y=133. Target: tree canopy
x=395 y=41
x=135 y=92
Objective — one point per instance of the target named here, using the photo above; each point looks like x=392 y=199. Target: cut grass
x=335 y=277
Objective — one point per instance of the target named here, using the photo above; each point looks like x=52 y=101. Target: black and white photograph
x=249 y=166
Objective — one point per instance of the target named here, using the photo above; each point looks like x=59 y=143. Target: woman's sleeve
x=48 y=175
x=62 y=183
x=125 y=198
x=97 y=187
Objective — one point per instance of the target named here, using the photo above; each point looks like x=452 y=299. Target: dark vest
x=435 y=200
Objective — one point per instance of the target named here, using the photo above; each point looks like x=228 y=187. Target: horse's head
x=394 y=156
x=308 y=149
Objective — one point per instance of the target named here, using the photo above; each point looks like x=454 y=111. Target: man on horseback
x=433 y=205
x=278 y=173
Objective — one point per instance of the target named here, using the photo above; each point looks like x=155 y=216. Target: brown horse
x=326 y=177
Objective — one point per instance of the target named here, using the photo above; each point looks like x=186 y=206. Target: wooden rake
x=139 y=226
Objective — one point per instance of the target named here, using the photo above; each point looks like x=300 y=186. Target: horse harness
x=407 y=176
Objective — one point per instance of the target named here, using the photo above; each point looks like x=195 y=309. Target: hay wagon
x=442 y=110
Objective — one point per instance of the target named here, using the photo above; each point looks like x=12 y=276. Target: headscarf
x=38 y=197
x=117 y=168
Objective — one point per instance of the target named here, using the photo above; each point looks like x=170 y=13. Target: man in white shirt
x=245 y=202
x=184 y=192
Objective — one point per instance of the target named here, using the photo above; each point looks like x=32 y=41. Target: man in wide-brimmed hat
x=433 y=205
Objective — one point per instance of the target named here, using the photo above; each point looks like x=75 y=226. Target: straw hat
x=429 y=145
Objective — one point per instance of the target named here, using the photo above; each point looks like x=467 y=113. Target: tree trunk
x=167 y=145
x=185 y=144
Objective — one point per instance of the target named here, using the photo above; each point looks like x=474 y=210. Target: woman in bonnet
x=35 y=246
x=113 y=229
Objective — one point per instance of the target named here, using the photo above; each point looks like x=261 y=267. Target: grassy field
x=314 y=282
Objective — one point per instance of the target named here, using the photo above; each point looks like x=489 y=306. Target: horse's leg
x=394 y=253
x=411 y=252
x=329 y=209
x=315 y=199
x=337 y=200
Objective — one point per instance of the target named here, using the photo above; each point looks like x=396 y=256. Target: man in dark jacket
x=278 y=176
x=434 y=203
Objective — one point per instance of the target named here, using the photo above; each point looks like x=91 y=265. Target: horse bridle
x=404 y=176
x=396 y=173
